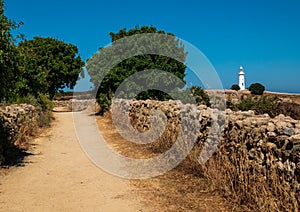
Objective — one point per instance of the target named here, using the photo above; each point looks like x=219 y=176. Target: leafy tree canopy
x=8 y=55
x=235 y=87
x=48 y=65
x=108 y=75
x=34 y=69
x=257 y=89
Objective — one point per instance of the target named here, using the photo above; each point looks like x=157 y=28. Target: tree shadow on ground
x=15 y=157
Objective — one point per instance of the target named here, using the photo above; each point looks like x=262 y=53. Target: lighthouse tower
x=242 y=78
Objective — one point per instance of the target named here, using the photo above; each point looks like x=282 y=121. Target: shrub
x=45 y=102
x=42 y=100
x=235 y=87
x=257 y=89
x=266 y=105
x=28 y=99
x=104 y=103
x=45 y=119
x=200 y=95
x=246 y=104
x=260 y=105
x=231 y=105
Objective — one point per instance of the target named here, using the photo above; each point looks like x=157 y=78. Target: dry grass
x=178 y=190
x=243 y=181
x=229 y=173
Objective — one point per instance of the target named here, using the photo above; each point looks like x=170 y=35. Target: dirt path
x=60 y=177
x=180 y=189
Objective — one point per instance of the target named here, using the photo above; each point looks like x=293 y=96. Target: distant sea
x=285 y=92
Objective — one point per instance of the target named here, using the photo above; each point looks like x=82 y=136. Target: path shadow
x=15 y=157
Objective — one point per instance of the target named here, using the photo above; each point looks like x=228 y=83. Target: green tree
x=8 y=55
x=48 y=65
x=256 y=89
x=235 y=87
x=100 y=63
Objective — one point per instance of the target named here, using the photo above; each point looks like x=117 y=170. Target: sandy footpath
x=60 y=177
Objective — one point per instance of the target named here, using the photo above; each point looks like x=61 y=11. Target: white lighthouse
x=242 y=78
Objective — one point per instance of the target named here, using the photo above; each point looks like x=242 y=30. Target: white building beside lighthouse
x=242 y=78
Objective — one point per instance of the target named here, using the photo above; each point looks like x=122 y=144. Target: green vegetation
x=235 y=87
x=34 y=70
x=8 y=55
x=256 y=89
x=31 y=71
x=48 y=66
x=100 y=63
x=259 y=104
x=200 y=96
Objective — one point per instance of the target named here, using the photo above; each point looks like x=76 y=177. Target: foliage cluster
x=259 y=104
x=34 y=69
x=256 y=89
x=8 y=54
x=200 y=96
x=235 y=87
x=48 y=65
x=109 y=76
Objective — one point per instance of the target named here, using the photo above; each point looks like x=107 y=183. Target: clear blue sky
x=261 y=35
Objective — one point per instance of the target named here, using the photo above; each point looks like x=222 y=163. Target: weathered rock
x=271 y=146
x=295 y=139
x=271 y=134
x=270 y=127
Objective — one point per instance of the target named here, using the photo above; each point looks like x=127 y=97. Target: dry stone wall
x=257 y=161
x=73 y=104
x=16 y=122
